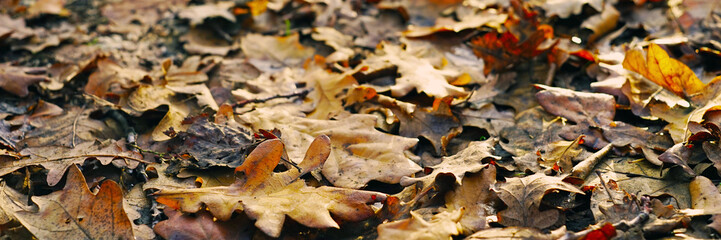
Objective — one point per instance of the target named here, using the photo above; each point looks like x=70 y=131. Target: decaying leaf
x=443 y=225
x=523 y=197
x=77 y=212
x=268 y=197
x=359 y=152
x=212 y=144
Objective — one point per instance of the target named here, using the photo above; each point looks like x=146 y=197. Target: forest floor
x=360 y=119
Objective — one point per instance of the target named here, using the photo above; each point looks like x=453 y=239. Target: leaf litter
x=428 y=119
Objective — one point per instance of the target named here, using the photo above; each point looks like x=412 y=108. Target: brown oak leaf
x=76 y=212
x=360 y=153
x=523 y=198
x=201 y=226
x=268 y=197
x=16 y=80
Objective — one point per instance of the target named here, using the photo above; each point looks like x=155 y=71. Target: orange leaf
x=663 y=70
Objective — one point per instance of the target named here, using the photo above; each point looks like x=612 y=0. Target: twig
x=97 y=155
x=75 y=125
x=261 y=100
x=606 y=187
x=582 y=169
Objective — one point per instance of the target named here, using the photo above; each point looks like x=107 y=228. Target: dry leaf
x=564 y=8
x=212 y=144
x=476 y=199
x=77 y=212
x=57 y=158
x=268 y=197
x=466 y=161
x=16 y=80
x=416 y=73
x=665 y=71
x=523 y=198
x=268 y=52
x=360 y=152
x=201 y=226
x=443 y=225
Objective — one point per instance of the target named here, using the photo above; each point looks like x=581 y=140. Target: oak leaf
x=476 y=199
x=201 y=226
x=523 y=198
x=270 y=52
x=76 y=212
x=16 y=80
x=665 y=71
x=443 y=225
x=359 y=153
x=501 y=50
x=57 y=158
x=415 y=73
x=212 y=144
x=468 y=160
x=564 y=8
x=268 y=197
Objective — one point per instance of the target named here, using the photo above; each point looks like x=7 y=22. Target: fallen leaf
x=198 y=13
x=523 y=198
x=77 y=212
x=268 y=52
x=16 y=80
x=57 y=158
x=110 y=78
x=443 y=225
x=500 y=51
x=489 y=18
x=268 y=197
x=564 y=8
x=593 y=108
x=663 y=70
x=468 y=160
x=55 y=7
x=476 y=199
x=705 y=197
x=438 y=124
x=513 y=233
x=678 y=155
x=201 y=226
x=416 y=73
x=359 y=152
x=212 y=144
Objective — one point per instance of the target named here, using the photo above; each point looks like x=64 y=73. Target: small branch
x=97 y=155
x=582 y=169
x=606 y=187
x=261 y=100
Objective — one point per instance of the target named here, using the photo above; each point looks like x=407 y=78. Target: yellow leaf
x=663 y=70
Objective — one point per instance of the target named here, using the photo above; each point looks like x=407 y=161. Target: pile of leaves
x=338 y=119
